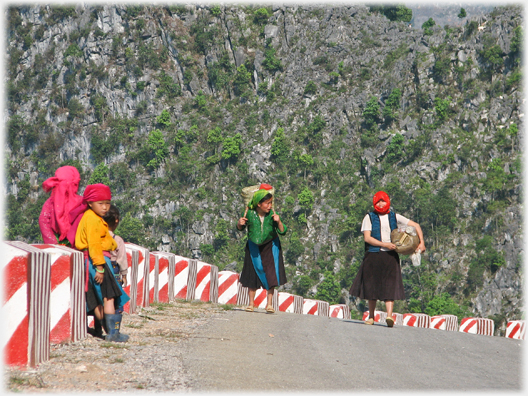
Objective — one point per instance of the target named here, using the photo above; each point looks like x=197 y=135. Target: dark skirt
x=108 y=289
x=379 y=277
x=249 y=277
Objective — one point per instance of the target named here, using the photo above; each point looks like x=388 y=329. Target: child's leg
x=98 y=312
x=97 y=330
x=109 y=307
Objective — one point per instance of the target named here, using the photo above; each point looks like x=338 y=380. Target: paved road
x=288 y=352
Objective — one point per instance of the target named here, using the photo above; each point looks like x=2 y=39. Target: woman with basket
x=379 y=276
x=263 y=261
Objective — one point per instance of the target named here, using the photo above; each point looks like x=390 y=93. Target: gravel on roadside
x=151 y=361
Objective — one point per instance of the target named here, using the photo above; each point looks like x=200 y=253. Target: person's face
x=100 y=208
x=381 y=204
x=266 y=205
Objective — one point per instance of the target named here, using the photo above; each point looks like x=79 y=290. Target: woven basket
x=247 y=195
x=405 y=244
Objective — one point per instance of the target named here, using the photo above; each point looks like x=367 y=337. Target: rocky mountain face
x=449 y=14
x=178 y=108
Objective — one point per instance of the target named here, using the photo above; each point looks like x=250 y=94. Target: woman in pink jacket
x=54 y=220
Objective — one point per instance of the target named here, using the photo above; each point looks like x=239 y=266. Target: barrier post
x=26 y=305
x=68 y=298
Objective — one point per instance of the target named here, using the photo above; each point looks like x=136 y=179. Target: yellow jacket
x=93 y=235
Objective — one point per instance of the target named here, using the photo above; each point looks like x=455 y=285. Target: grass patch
x=227 y=307
x=188 y=315
x=134 y=326
x=18 y=381
x=160 y=306
x=112 y=345
x=175 y=334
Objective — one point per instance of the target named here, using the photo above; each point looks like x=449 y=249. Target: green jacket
x=260 y=233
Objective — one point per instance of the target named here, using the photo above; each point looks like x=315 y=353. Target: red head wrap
x=381 y=195
x=97 y=192
x=92 y=193
x=265 y=186
x=63 y=186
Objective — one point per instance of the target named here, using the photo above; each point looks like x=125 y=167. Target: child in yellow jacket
x=103 y=294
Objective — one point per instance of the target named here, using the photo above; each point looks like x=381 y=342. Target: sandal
x=250 y=308
x=370 y=321
x=390 y=321
x=269 y=309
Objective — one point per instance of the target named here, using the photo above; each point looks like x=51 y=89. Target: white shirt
x=385 y=226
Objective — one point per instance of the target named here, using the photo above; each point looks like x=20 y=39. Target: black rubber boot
x=97 y=331
x=113 y=322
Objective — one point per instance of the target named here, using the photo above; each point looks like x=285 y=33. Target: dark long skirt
x=109 y=288
x=249 y=277
x=379 y=277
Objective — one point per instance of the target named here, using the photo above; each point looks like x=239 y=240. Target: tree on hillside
x=394 y=12
x=100 y=175
x=398 y=13
x=462 y=13
x=329 y=289
x=427 y=25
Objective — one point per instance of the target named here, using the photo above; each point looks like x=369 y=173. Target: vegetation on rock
x=180 y=107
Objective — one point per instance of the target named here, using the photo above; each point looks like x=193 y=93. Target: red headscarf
x=265 y=186
x=63 y=186
x=381 y=195
x=92 y=193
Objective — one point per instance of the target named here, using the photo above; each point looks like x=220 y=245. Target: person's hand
x=390 y=246
x=124 y=277
x=275 y=218
x=421 y=247
x=98 y=278
x=242 y=222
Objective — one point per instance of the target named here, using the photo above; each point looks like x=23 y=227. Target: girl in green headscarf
x=263 y=261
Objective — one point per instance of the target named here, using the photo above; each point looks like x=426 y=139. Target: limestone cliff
x=179 y=107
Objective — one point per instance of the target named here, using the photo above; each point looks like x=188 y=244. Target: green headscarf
x=257 y=197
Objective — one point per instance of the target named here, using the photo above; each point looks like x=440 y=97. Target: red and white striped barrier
x=67 y=301
x=444 y=322
x=242 y=295
x=417 y=320
x=26 y=274
x=379 y=316
x=152 y=278
x=261 y=297
x=290 y=303
x=164 y=263
x=203 y=281
x=515 y=329
x=481 y=326
x=315 y=307
x=340 y=311
x=398 y=319
x=181 y=277
x=228 y=287
x=132 y=282
x=143 y=274
x=438 y=323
